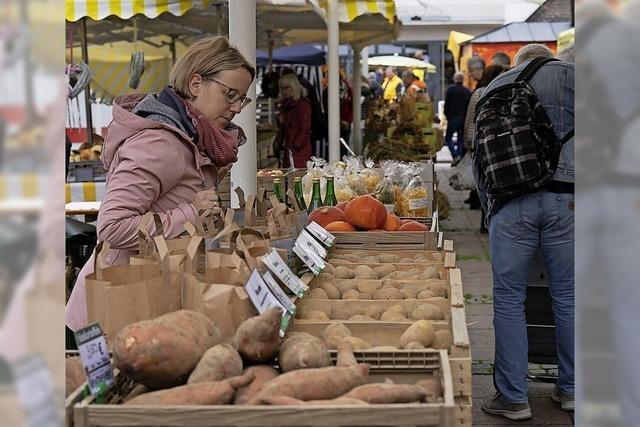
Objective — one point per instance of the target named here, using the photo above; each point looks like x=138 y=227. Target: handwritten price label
x=94 y=355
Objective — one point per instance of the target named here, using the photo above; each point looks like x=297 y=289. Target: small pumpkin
x=339 y=226
x=366 y=213
x=326 y=215
x=413 y=226
x=392 y=223
x=377 y=230
x=342 y=205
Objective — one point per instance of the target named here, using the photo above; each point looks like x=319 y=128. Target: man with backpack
x=524 y=169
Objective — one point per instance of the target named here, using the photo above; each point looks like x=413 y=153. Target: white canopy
x=400 y=61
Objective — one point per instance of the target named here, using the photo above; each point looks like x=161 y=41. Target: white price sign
x=305 y=239
x=94 y=355
x=278 y=292
x=282 y=271
x=263 y=299
x=35 y=390
x=310 y=258
x=321 y=234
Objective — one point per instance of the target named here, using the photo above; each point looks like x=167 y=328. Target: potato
x=427 y=312
x=385 y=270
x=388 y=294
x=409 y=292
x=262 y=375
x=361 y=254
x=314 y=384
x=389 y=258
x=345 y=355
x=425 y=295
x=331 y=291
x=437 y=256
x=343 y=312
x=352 y=294
x=218 y=363
x=414 y=345
x=422 y=286
x=443 y=340
x=346 y=285
x=430 y=273
x=318 y=293
x=433 y=387
x=398 y=308
x=365 y=272
x=374 y=311
x=302 y=350
x=399 y=275
x=368 y=287
x=324 y=277
x=352 y=258
x=334 y=334
x=438 y=290
x=342 y=272
x=392 y=316
x=370 y=259
x=414 y=272
x=75 y=375
x=328 y=268
x=406 y=261
x=388 y=393
x=419 y=257
x=384 y=348
x=258 y=338
x=364 y=296
x=162 y=352
x=357 y=343
x=421 y=331
x=314 y=315
x=361 y=318
x=411 y=299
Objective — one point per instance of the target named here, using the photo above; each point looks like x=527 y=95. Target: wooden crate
x=386 y=240
x=462 y=411
x=328 y=305
x=378 y=333
x=88 y=413
x=266 y=182
x=448 y=261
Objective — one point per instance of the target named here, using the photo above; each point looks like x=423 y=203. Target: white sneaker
x=567 y=403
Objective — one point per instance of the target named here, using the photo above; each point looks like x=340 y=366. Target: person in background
x=391 y=85
x=567 y=55
x=295 y=122
x=476 y=66
x=419 y=72
x=413 y=86
x=518 y=228
x=456 y=99
x=501 y=58
x=166 y=153
x=490 y=73
x=346 y=109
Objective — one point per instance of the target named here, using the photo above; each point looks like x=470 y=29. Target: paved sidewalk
x=473 y=258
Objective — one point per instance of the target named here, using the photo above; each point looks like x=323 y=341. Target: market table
x=21 y=206
x=82 y=208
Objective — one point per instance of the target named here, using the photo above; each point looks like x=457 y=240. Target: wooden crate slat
x=459 y=327
x=448 y=246
x=449 y=259
x=456 y=291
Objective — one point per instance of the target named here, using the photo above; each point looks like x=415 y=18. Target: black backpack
x=517 y=150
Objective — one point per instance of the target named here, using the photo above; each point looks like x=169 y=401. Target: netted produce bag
x=314 y=170
x=385 y=190
x=344 y=193
x=354 y=177
x=415 y=201
x=370 y=177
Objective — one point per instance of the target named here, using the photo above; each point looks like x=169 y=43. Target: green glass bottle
x=297 y=189
x=316 y=199
x=330 y=196
x=277 y=189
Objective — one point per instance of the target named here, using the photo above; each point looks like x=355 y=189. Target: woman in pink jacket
x=166 y=152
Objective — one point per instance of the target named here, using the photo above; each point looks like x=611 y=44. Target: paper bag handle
x=99 y=259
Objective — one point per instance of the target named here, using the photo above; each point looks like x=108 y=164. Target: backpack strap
x=531 y=68
x=568 y=136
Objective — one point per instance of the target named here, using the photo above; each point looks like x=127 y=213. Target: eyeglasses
x=233 y=95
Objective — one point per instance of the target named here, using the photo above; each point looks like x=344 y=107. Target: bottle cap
x=276 y=180
x=297 y=178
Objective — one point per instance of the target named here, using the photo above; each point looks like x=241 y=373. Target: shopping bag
x=463 y=178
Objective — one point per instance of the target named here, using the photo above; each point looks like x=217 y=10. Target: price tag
x=282 y=271
x=321 y=234
x=263 y=299
x=35 y=390
x=415 y=204
x=305 y=239
x=94 y=355
x=310 y=258
x=279 y=293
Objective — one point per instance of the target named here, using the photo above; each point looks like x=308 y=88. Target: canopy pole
x=333 y=115
x=242 y=34
x=172 y=46
x=270 y=68
x=87 y=90
x=356 y=87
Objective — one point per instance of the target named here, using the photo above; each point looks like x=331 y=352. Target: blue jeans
x=539 y=220
x=455 y=124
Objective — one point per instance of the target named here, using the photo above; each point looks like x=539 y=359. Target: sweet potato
x=331 y=291
x=414 y=345
x=258 y=338
x=433 y=387
x=162 y=352
x=420 y=331
x=262 y=375
x=334 y=334
x=209 y=393
x=368 y=287
x=357 y=343
x=342 y=272
x=388 y=293
x=218 y=363
x=392 y=258
x=385 y=270
x=302 y=350
x=352 y=294
x=430 y=273
x=315 y=384
x=388 y=393
x=392 y=316
x=290 y=401
x=443 y=340
x=365 y=272
x=318 y=293
x=427 y=312
x=75 y=375
x=345 y=355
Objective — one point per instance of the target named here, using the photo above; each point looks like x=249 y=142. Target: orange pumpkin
x=392 y=223
x=339 y=226
x=342 y=205
x=377 y=230
x=366 y=213
x=413 y=226
x=326 y=215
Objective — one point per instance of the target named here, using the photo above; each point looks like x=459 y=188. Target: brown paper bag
x=147 y=247
x=226 y=305
x=120 y=295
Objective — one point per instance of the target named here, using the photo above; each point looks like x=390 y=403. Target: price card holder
x=282 y=271
x=306 y=240
x=321 y=234
x=94 y=355
x=263 y=299
x=35 y=389
x=279 y=293
x=310 y=258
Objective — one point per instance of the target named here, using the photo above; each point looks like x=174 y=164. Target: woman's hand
x=206 y=199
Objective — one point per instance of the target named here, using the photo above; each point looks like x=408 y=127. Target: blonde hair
x=532 y=51
x=292 y=79
x=207 y=57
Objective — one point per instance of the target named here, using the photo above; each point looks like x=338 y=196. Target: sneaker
x=567 y=402
x=513 y=411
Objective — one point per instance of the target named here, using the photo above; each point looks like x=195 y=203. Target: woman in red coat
x=295 y=122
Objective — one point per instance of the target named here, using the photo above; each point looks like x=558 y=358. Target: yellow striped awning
x=100 y=9
x=351 y=9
